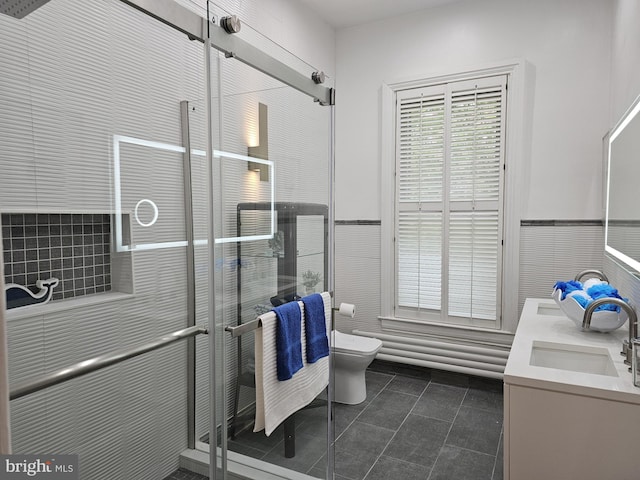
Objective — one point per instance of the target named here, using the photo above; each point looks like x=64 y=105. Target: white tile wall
x=72 y=75
x=357 y=275
x=547 y=254
x=556 y=252
x=627 y=284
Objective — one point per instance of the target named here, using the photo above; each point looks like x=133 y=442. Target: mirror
x=622 y=223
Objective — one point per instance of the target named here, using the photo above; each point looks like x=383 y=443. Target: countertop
x=543 y=321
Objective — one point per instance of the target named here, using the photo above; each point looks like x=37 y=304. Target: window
x=450 y=142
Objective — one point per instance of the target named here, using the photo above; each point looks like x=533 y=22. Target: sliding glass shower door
x=270 y=189
x=163 y=185
x=92 y=195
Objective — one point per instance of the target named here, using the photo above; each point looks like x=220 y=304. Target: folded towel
x=591 y=282
x=288 y=340
x=275 y=400
x=581 y=297
x=315 y=327
x=568 y=287
x=592 y=289
x=604 y=290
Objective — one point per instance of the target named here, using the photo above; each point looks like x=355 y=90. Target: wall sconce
x=262 y=149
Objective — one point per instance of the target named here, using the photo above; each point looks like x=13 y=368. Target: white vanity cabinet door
x=554 y=435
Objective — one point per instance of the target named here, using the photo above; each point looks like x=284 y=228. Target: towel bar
x=257 y=323
x=248 y=380
x=100 y=362
x=247 y=327
x=244 y=328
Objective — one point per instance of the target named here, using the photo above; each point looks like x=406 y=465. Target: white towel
x=275 y=400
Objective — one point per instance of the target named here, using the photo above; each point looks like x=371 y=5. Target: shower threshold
x=239 y=467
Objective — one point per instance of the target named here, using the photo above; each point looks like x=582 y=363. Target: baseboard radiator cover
x=483 y=361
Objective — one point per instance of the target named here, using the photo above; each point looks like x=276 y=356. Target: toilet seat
x=345 y=343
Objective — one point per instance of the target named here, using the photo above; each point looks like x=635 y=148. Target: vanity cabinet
x=563 y=424
x=557 y=435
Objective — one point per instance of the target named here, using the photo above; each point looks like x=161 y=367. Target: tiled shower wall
x=74 y=248
x=64 y=98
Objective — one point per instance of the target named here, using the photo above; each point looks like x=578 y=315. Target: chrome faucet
x=627 y=345
x=597 y=273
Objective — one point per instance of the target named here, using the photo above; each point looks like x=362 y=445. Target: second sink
x=576 y=358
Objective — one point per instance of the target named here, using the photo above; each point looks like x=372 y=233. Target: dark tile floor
x=421 y=424
x=415 y=424
x=182 y=474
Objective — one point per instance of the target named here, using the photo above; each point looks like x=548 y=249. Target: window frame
x=517 y=72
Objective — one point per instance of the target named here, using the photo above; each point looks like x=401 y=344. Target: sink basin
x=549 y=309
x=575 y=358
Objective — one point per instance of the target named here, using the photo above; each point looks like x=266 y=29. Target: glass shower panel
x=93 y=194
x=273 y=247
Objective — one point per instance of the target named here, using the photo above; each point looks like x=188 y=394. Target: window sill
x=469 y=334
x=62 y=305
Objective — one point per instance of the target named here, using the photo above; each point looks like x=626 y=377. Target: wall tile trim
x=561 y=223
x=357 y=222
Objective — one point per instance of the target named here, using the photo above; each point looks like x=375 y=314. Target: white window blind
x=449 y=182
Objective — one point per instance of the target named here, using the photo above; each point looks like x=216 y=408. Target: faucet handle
x=625 y=348
x=630 y=351
x=635 y=358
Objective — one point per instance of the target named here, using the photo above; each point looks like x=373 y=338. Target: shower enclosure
x=130 y=134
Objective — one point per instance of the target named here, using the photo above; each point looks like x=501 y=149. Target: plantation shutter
x=420 y=170
x=449 y=182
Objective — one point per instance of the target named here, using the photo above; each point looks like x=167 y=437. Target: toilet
x=352 y=355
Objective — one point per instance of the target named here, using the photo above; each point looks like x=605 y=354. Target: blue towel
x=568 y=287
x=288 y=340
x=604 y=290
x=315 y=327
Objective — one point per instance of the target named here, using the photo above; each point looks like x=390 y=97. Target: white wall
x=625 y=68
x=293 y=26
x=568 y=44
x=625 y=88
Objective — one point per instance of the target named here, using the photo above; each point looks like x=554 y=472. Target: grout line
x=393 y=375
x=397 y=429
x=495 y=463
x=367 y=406
x=473 y=451
x=449 y=432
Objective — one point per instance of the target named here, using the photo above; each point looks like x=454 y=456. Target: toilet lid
x=343 y=342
